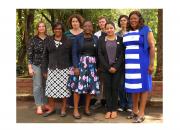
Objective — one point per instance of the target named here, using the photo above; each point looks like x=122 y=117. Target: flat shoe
x=87 y=113
x=46 y=114
x=114 y=115
x=77 y=116
x=63 y=114
x=108 y=115
x=39 y=112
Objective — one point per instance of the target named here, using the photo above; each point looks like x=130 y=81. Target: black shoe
x=46 y=114
x=132 y=116
x=97 y=105
x=87 y=113
x=139 y=119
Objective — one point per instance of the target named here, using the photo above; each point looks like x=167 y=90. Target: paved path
x=25 y=114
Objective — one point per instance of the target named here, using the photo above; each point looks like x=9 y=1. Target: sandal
x=132 y=116
x=139 y=119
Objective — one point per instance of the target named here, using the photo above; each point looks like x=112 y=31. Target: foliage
x=52 y=15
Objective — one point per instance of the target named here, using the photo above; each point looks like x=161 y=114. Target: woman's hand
x=45 y=75
x=31 y=72
x=151 y=69
x=112 y=70
x=76 y=72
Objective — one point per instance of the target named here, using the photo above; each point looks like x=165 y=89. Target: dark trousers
x=125 y=98
x=111 y=88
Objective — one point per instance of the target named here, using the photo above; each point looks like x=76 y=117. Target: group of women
x=71 y=62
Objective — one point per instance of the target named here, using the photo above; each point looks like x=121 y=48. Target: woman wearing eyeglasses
x=56 y=63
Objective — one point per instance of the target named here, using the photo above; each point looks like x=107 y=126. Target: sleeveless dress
x=137 y=59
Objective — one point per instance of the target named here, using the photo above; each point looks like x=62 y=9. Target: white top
x=98 y=33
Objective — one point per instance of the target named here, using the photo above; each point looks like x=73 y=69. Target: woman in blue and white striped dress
x=139 y=63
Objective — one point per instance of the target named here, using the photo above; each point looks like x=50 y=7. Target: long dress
x=137 y=59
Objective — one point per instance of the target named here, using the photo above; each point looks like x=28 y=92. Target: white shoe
x=129 y=110
x=120 y=109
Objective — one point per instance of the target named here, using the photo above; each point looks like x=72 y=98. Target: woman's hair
x=123 y=16
x=79 y=18
x=58 y=24
x=37 y=26
x=110 y=22
x=141 y=19
x=87 y=21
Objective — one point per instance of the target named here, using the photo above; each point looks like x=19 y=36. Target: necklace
x=57 y=43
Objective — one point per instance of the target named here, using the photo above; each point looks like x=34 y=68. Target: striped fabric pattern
x=133 y=76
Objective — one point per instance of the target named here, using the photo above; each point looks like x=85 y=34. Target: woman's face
x=41 y=28
x=123 y=22
x=58 y=31
x=75 y=23
x=110 y=30
x=134 y=21
x=88 y=27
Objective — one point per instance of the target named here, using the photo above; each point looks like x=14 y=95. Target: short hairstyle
x=141 y=19
x=79 y=18
x=37 y=25
x=87 y=21
x=110 y=22
x=123 y=16
x=58 y=24
x=102 y=17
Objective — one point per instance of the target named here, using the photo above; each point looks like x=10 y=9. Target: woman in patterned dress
x=139 y=63
x=56 y=63
x=75 y=22
x=85 y=81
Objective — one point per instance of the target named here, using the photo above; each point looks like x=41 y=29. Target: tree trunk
x=159 y=70
x=28 y=33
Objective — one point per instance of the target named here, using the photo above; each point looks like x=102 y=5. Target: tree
x=25 y=22
x=159 y=73
x=27 y=18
